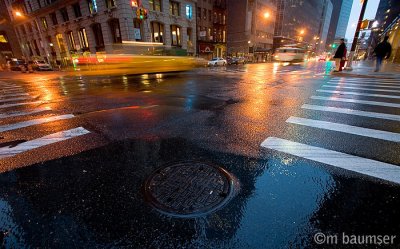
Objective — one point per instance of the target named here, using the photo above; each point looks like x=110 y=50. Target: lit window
x=44 y=22
x=110 y=4
x=155 y=5
x=174 y=8
x=3 y=39
x=189 y=11
x=83 y=40
x=157 y=30
x=175 y=35
x=92 y=6
x=71 y=40
x=61 y=44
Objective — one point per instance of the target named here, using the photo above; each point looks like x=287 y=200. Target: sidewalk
x=366 y=69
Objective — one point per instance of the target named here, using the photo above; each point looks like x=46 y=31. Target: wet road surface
x=76 y=152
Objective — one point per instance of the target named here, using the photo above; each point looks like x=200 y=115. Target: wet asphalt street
x=312 y=159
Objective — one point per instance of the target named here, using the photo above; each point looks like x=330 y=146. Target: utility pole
x=355 y=40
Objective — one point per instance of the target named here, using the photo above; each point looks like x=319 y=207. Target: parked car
x=217 y=62
x=16 y=64
x=41 y=66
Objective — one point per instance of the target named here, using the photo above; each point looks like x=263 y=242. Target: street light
x=302 y=32
x=19 y=14
x=266 y=15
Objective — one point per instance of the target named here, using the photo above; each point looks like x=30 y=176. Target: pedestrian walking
x=340 y=55
x=382 y=51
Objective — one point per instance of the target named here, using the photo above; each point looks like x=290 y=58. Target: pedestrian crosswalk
x=20 y=110
x=365 y=105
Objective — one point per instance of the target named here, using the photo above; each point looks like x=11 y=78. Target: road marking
x=361 y=94
x=17 y=114
x=46 y=140
x=362 y=82
x=11 y=88
x=363 y=85
x=14 y=95
x=352 y=112
x=362 y=88
x=383 y=135
x=365 y=166
x=14 y=99
x=366 y=80
x=19 y=104
x=366 y=102
x=24 y=124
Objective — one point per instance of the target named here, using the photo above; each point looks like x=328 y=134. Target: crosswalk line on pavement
x=13 y=95
x=17 y=114
x=355 y=130
x=367 y=80
x=365 y=166
x=14 y=100
x=46 y=140
x=361 y=88
x=24 y=124
x=20 y=104
x=11 y=87
x=352 y=112
x=364 y=85
x=361 y=94
x=356 y=101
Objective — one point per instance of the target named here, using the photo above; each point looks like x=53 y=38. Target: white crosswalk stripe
x=357 y=101
x=360 y=165
x=24 y=124
x=362 y=88
x=383 y=135
x=351 y=112
x=46 y=140
x=348 y=161
x=16 y=94
x=361 y=94
x=18 y=114
x=364 y=85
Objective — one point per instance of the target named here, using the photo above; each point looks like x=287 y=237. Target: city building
x=339 y=21
x=57 y=30
x=326 y=16
x=211 y=28
x=388 y=24
x=9 y=47
x=299 y=20
x=250 y=28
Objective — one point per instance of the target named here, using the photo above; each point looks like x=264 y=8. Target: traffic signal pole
x=356 y=35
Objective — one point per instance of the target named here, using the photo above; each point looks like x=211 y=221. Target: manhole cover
x=189 y=189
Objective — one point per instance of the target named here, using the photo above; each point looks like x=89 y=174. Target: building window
x=189 y=36
x=53 y=51
x=204 y=14
x=199 y=12
x=115 y=30
x=175 y=35
x=157 y=30
x=60 y=42
x=53 y=17
x=98 y=36
x=37 y=51
x=209 y=15
x=77 y=10
x=39 y=4
x=189 y=11
x=110 y=4
x=83 y=40
x=64 y=14
x=28 y=44
x=44 y=22
x=174 y=8
x=30 y=29
x=137 y=29
x=92 y=6
x=155 y=5
x=71 y=41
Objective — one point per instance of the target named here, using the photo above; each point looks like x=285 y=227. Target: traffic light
x=141 y=13
x=333 y=45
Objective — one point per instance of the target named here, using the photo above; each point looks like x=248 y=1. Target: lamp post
x=357 y=33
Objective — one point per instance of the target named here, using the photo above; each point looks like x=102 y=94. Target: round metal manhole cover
x=189 y=189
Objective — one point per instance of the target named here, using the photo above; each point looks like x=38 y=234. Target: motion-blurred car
x=41 y=66
x=16 y=64
x=235 y=60
x=217 y=62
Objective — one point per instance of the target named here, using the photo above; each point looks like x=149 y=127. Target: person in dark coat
x=340 y=55
x=382 y=51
